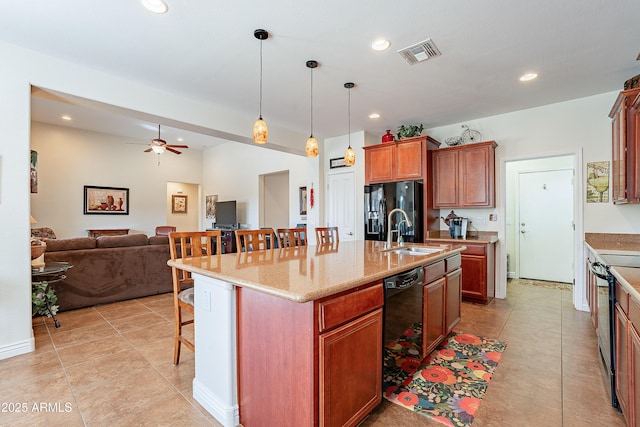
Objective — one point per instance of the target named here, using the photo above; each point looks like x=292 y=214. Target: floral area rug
x=448 y=385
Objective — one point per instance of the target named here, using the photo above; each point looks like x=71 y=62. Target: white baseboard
x=228 y=416
x=511 y=275
x=16 y=349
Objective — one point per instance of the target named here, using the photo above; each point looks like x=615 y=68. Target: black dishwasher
x=402 y=304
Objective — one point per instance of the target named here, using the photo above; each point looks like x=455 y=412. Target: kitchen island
x=293 y=336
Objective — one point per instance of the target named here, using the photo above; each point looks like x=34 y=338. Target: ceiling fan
x=159 y=145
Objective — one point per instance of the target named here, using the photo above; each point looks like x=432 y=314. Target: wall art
x=210 y=206
x=179 y=204
x=598 y=182
x=106 y=200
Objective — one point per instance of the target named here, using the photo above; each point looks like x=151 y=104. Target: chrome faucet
x=389 y=231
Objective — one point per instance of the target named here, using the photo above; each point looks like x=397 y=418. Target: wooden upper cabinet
x=445 y=178
x=378 y=163
x=464 y=176
x=403 y=160
x=625 y=138
x=409 y=159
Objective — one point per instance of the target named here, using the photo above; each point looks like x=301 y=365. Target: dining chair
x=290 y=237
x=326 y=235
x=255 y=240
x=185 y=245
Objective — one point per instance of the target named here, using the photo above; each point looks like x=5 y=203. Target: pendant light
x=349 y=155
x=312 y=144
x=260 y=131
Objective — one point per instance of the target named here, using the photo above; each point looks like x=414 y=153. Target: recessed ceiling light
x=180 y=139
x=65 y=117
x=374 y=116
x=528 y=77
x=380 y=44
x=155 y=6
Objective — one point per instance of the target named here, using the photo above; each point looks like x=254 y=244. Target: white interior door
x=545 y=225
x=341 y=207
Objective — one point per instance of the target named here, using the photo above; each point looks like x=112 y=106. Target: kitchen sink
x=414 y=250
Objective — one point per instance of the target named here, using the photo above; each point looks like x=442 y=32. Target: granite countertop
x=618 y=244
x=485 y=237
x=307 y=273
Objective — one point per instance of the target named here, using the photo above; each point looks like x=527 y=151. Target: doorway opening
x=543 y=220
x=274 y=200
x=183 y=206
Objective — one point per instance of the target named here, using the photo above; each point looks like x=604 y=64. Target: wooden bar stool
x=255 y=240
x=290 y=237
x=184 y=245
x=326 y=235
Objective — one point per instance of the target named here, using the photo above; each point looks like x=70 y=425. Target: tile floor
x=112 y=365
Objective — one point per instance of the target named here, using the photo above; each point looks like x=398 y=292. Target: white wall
x=30 y=68
x=232 y=172
x=580 y=127
x=69 y=159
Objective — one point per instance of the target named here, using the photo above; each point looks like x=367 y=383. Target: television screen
x=226 y=214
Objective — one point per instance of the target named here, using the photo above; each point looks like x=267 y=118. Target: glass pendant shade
x=311 y=149
x=349 y=157
x=260 y=131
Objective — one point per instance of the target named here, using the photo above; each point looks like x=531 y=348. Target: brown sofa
x=110 y=268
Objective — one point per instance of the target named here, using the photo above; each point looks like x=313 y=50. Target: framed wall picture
x=598 y=182
x=303 y=200
x=338 y=162
x=210 y=203
x=179 y=204
x=106 y=200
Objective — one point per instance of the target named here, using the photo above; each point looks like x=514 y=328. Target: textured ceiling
x=205 y=50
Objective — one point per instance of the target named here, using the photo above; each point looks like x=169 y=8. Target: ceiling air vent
x=420 y=52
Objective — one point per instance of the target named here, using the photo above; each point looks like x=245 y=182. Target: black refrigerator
x=380 y=199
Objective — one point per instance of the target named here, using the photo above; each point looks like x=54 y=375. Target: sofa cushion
x=120 y=241
x=158 y=240
x=54 y=245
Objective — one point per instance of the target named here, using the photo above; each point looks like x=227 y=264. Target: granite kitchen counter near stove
x=619 y=244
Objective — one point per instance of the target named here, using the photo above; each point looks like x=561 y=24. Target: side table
x=52 y=272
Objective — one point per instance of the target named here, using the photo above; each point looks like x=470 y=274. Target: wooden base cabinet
x=453 y=299
x=433 y=316
x=309 y=364
x=634 y=362
x=622 y=347
x=348 y=388
x=441 y=301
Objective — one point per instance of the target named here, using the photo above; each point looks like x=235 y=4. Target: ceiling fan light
x=155 y=6
x=158 y=149
x=312 y=147
x=260 y=131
